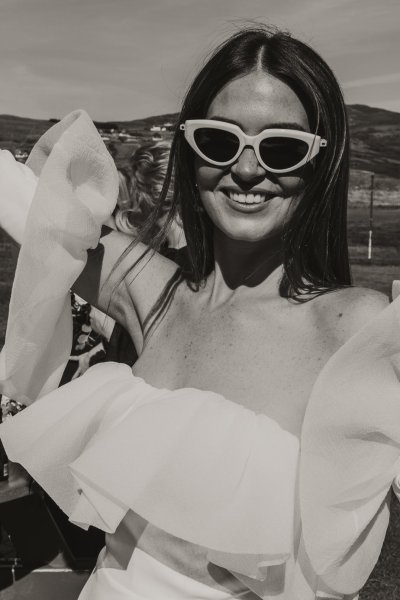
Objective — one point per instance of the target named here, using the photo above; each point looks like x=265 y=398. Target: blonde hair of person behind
x=147 y=172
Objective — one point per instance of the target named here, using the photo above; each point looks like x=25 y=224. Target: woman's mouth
x=247 y=198
x=248 y=201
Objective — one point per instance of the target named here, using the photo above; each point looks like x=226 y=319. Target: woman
x=191 y=465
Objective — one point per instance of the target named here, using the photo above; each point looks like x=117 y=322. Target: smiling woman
x=253 y=460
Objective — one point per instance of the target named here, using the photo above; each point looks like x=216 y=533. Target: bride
x=247 y=455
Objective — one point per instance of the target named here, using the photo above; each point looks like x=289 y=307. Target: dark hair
x=315 y=258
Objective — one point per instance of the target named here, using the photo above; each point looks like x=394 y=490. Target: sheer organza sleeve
x=17 y=187
x=351 y=453
x=76 y=193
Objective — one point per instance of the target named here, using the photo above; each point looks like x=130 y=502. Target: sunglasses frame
x=314 y=142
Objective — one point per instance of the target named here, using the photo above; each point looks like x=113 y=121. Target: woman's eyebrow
x=279 y=125
x=286 y=125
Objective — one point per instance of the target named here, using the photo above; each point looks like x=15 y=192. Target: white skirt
x=148 y=579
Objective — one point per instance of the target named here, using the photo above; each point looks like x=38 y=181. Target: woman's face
x=231 y=195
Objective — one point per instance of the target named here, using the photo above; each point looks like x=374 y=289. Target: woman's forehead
x=256 y=101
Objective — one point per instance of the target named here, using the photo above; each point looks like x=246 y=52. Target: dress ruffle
x=194 y=464
x=188 y=461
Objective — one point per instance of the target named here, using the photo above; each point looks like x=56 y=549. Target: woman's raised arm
x=124 y=285
x=76 y=194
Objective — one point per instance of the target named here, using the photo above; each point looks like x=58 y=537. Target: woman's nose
x=247 y=166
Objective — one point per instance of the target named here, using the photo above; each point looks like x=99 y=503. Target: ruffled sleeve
x=351 y=454
x=194 y=464
x=76 y=193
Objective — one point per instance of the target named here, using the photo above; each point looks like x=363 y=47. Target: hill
x=375 y=136
x=375 y=140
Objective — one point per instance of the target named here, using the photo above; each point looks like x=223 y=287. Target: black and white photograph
x=199 y=300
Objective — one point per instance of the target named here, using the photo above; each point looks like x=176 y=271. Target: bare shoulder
x=344 y=312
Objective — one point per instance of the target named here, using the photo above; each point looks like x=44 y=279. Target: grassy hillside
x=375 y=140
x=16 y=132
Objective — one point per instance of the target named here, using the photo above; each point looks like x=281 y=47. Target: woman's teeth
x=247 y=198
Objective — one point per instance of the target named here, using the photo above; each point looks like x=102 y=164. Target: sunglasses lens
x=218 y=145
x=282 y=153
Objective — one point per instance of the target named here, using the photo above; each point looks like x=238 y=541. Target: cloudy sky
x=123 y=59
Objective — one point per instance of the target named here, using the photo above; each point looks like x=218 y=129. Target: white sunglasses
x=277 y=150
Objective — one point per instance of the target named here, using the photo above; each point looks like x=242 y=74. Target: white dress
x=290 y=519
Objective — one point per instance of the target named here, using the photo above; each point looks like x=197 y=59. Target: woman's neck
x=242 y=263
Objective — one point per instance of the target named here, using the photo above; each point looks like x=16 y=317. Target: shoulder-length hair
x=315 y=252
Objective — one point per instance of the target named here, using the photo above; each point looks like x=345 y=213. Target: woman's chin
x=248 y=235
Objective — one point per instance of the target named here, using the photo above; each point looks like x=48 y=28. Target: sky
x=126 y=59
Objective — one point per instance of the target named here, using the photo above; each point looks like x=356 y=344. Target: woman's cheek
x=208 y=177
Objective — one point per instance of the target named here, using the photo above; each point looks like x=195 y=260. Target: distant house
x=110 y=127
x=155 y=128
x=21 y=155
x=126 y=137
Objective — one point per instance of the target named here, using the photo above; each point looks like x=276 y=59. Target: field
x=386 y=189
x=384 y=583
x=385 y=264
